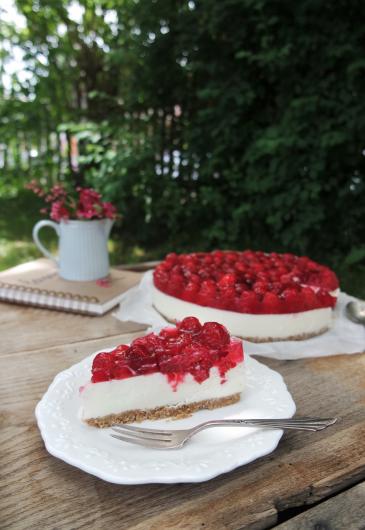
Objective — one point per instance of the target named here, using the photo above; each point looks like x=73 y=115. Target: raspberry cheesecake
x=258 y=296
x=181 y=370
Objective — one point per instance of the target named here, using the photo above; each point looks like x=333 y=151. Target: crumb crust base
x=158 y=413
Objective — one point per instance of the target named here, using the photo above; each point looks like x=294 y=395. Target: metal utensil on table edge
x=175 y=439
x=355 y=311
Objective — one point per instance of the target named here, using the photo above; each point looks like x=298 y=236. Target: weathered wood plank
x=343 y=511
x=26 y=328
x=42 y=492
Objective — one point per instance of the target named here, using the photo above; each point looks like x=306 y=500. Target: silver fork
x=174 y=439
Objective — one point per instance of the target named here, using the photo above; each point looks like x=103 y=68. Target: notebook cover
x=41 y=276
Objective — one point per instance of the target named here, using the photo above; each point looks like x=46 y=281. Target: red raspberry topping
x=190 y=325
x=214 y=335
x=247 y=282
x=101 y=368
x=188 y=348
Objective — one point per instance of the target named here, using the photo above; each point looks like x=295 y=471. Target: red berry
x=102 y=363
x=271 y=303
x=214 y=335
x=325 y=299
x=190 y=292
x=141 y=360
x=190 y=325
x=292 y=301
x=227 y=280
x=169 y=333
x=260 y=287
x=240 y=267
x=122 y=348
x=310 y=298
x=207 y=293
x=148 y=342
x=122 y=372
x=248 y=302
x=172 y=257
x=100 y=376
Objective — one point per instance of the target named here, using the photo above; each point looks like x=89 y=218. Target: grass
x=19 y=214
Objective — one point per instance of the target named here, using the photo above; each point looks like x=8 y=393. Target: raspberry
x=292 y=301
x=228 y=280
x=141 y=360
x=310 y=299
x=271 y=303
x=214 y=335
x=190 y=325
x=102 y=362
x=231 y=257
x=276 y=287
x=101 y=367
x=173 y=364
x=240 y=267
x=248 y=302
x=260 y=287
x=169 y=333
x=175 y=346
x=172 y=257
x=120 y=349
x=122 y=372
x=207 y=293
x=148 y=342
x=325 y=299
x=99 y=377
x=137 y=350
x=190 y=292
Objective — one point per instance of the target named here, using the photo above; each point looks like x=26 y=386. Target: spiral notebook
x=37 y=283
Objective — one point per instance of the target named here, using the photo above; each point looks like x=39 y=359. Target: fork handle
x=300 y=424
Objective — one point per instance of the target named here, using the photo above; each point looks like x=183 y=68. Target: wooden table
x=323 y=471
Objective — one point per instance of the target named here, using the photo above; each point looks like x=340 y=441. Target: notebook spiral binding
x=47 y=292
x=46 y=298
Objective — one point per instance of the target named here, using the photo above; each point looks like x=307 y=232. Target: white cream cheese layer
x=273 y=326
x=153 y=390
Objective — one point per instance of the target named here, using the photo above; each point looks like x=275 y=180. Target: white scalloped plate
x=209 y=454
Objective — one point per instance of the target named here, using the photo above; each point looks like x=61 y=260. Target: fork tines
x=141 y=436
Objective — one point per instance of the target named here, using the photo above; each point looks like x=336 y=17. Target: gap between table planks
x=343 y=511
x=40 y=491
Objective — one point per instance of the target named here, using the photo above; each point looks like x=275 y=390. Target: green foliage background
x=230 y=124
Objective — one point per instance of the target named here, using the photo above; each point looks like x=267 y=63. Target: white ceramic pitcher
x=83 y=250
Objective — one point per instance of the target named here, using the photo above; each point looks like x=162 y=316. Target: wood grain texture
x=343 y=511
x=40 y=491
x=27 y=328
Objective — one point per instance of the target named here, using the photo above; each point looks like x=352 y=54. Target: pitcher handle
x=37 y=241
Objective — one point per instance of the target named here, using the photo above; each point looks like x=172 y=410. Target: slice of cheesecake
x=171 y=374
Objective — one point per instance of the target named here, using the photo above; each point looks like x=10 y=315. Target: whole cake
x=175 y=373
x=258 y=296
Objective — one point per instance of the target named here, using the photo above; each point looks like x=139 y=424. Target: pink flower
x=86 y=203
x=89 y=205
x=56 y=192
x=34 y=186
x=109 y=210
x=59 y=212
